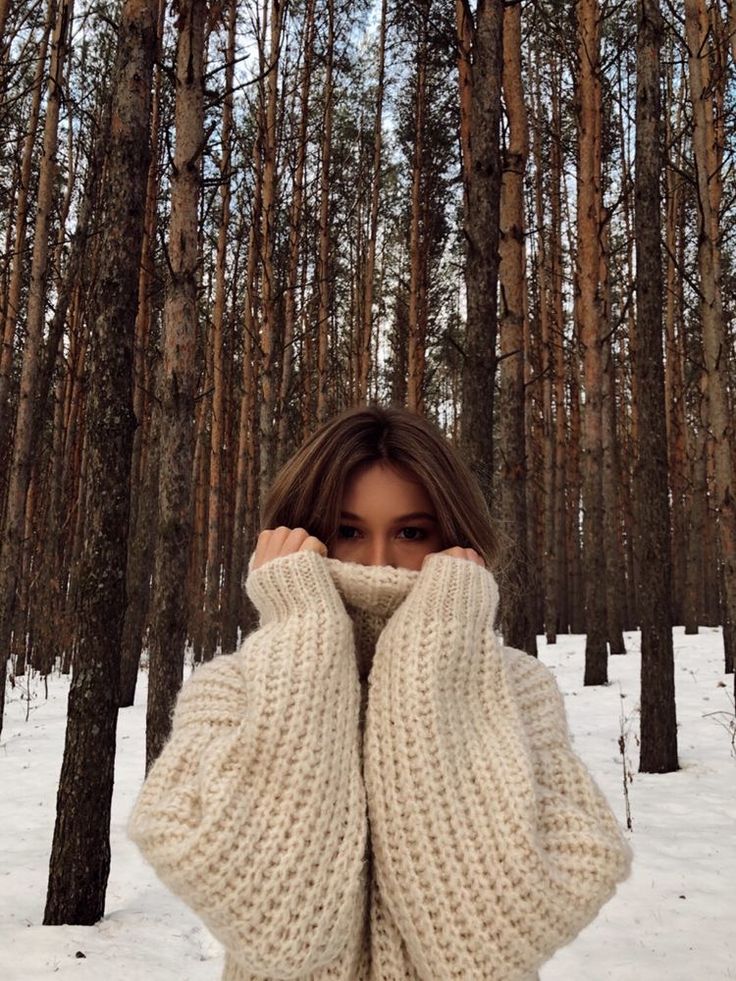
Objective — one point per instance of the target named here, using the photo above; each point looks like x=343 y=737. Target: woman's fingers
x=461 y=553
x=275 y=542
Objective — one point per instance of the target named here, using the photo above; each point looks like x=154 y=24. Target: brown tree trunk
x=481 y=222
x=721 y=424
x=80 y=855
x=615 y=577
x=588 y=299
x=246 y=465
x=417 y=239
x=557 y=337
x=369 y=272
x=518 y=610
x=20 y=469
x=464 y=29
x=13 y=300
x=217 y=423
x=296 y=218
x=658 y=721
x=674 y=364
x=168 y=629
x=323 y=259
x=269 y=333
x=551 y=565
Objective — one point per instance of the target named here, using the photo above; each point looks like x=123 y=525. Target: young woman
x=373 y=788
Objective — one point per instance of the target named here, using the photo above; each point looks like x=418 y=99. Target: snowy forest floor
x=672 y=919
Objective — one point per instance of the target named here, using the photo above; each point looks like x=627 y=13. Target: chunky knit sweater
x=372 y=787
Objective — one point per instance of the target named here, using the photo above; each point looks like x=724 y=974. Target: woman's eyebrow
x=404 y=517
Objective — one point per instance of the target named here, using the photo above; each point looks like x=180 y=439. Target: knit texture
x=372 y=788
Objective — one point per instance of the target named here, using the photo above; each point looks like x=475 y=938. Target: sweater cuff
x=452 y=588
x=296 y=583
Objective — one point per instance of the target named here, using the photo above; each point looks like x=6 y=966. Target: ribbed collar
x=378 y=589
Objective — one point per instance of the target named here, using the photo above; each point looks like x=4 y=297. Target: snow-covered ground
x=671 y=920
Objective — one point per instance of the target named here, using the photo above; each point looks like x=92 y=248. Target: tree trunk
x=518 y=616
x=21 y=222
x=658 y=721
x=323 y=258
x=296 y=218
x=481 y=222
x=549 y=511
x=369 y=273
x=589 y=219
x=217 y=424
x=20 y=468
x=417 y=232
x=720 y=419
x=80 y=855
x=168 y=627
x=269 y=333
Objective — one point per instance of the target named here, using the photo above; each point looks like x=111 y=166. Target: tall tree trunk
x=323 y=258
x=674 y=363
x=550 y=559
x=518 y=615
x=80 y=855
x=615 y=577
x=296 y=218
x=20 y=468
x=217 y=424
x=464 y=28
x=721 y=423
x=658 y=722
x=557 y=332
x=245 y=470
x=418 y=231
x=369 y=273
x=269 y=333
x=482 y=232
x=589 y=218
x=168 y=627
x=21 y=223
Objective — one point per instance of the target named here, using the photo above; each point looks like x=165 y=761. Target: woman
x=372 y=786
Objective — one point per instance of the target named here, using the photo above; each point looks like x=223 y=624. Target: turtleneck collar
x=376 y=589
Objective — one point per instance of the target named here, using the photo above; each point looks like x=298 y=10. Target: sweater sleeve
x=255 y=812
x=493 y=845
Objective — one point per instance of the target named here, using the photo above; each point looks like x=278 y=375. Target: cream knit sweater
x=429 y=820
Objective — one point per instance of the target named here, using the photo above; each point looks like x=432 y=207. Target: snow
x=672 y=919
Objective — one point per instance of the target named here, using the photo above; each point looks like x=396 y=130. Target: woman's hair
x=308 y=490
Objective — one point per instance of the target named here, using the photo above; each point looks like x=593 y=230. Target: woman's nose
x=380 y=553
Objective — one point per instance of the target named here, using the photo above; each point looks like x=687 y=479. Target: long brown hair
x=308 y=490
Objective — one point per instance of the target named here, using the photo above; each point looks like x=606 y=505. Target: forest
x=223 y=222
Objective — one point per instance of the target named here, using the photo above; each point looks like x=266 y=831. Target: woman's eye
x=343 y=528
x=418 y=537
x=417 y=534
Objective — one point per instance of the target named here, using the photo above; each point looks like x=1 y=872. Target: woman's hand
x=460 y=553
x=272 y=544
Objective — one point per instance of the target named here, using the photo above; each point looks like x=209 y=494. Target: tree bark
x=589 y=219
x=21 y=223
x=296 y=219
x=417 y=231
x=168 y=627
x=658 y=720
x=481 y=223
x=20 y=468
x=80 y=856
x=369 y=273
x=720 y=419
x=269 y=333
x=215 y=509
x=518 y=617
x=323 y=258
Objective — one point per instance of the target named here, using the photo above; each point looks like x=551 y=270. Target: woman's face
x=387 y=518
